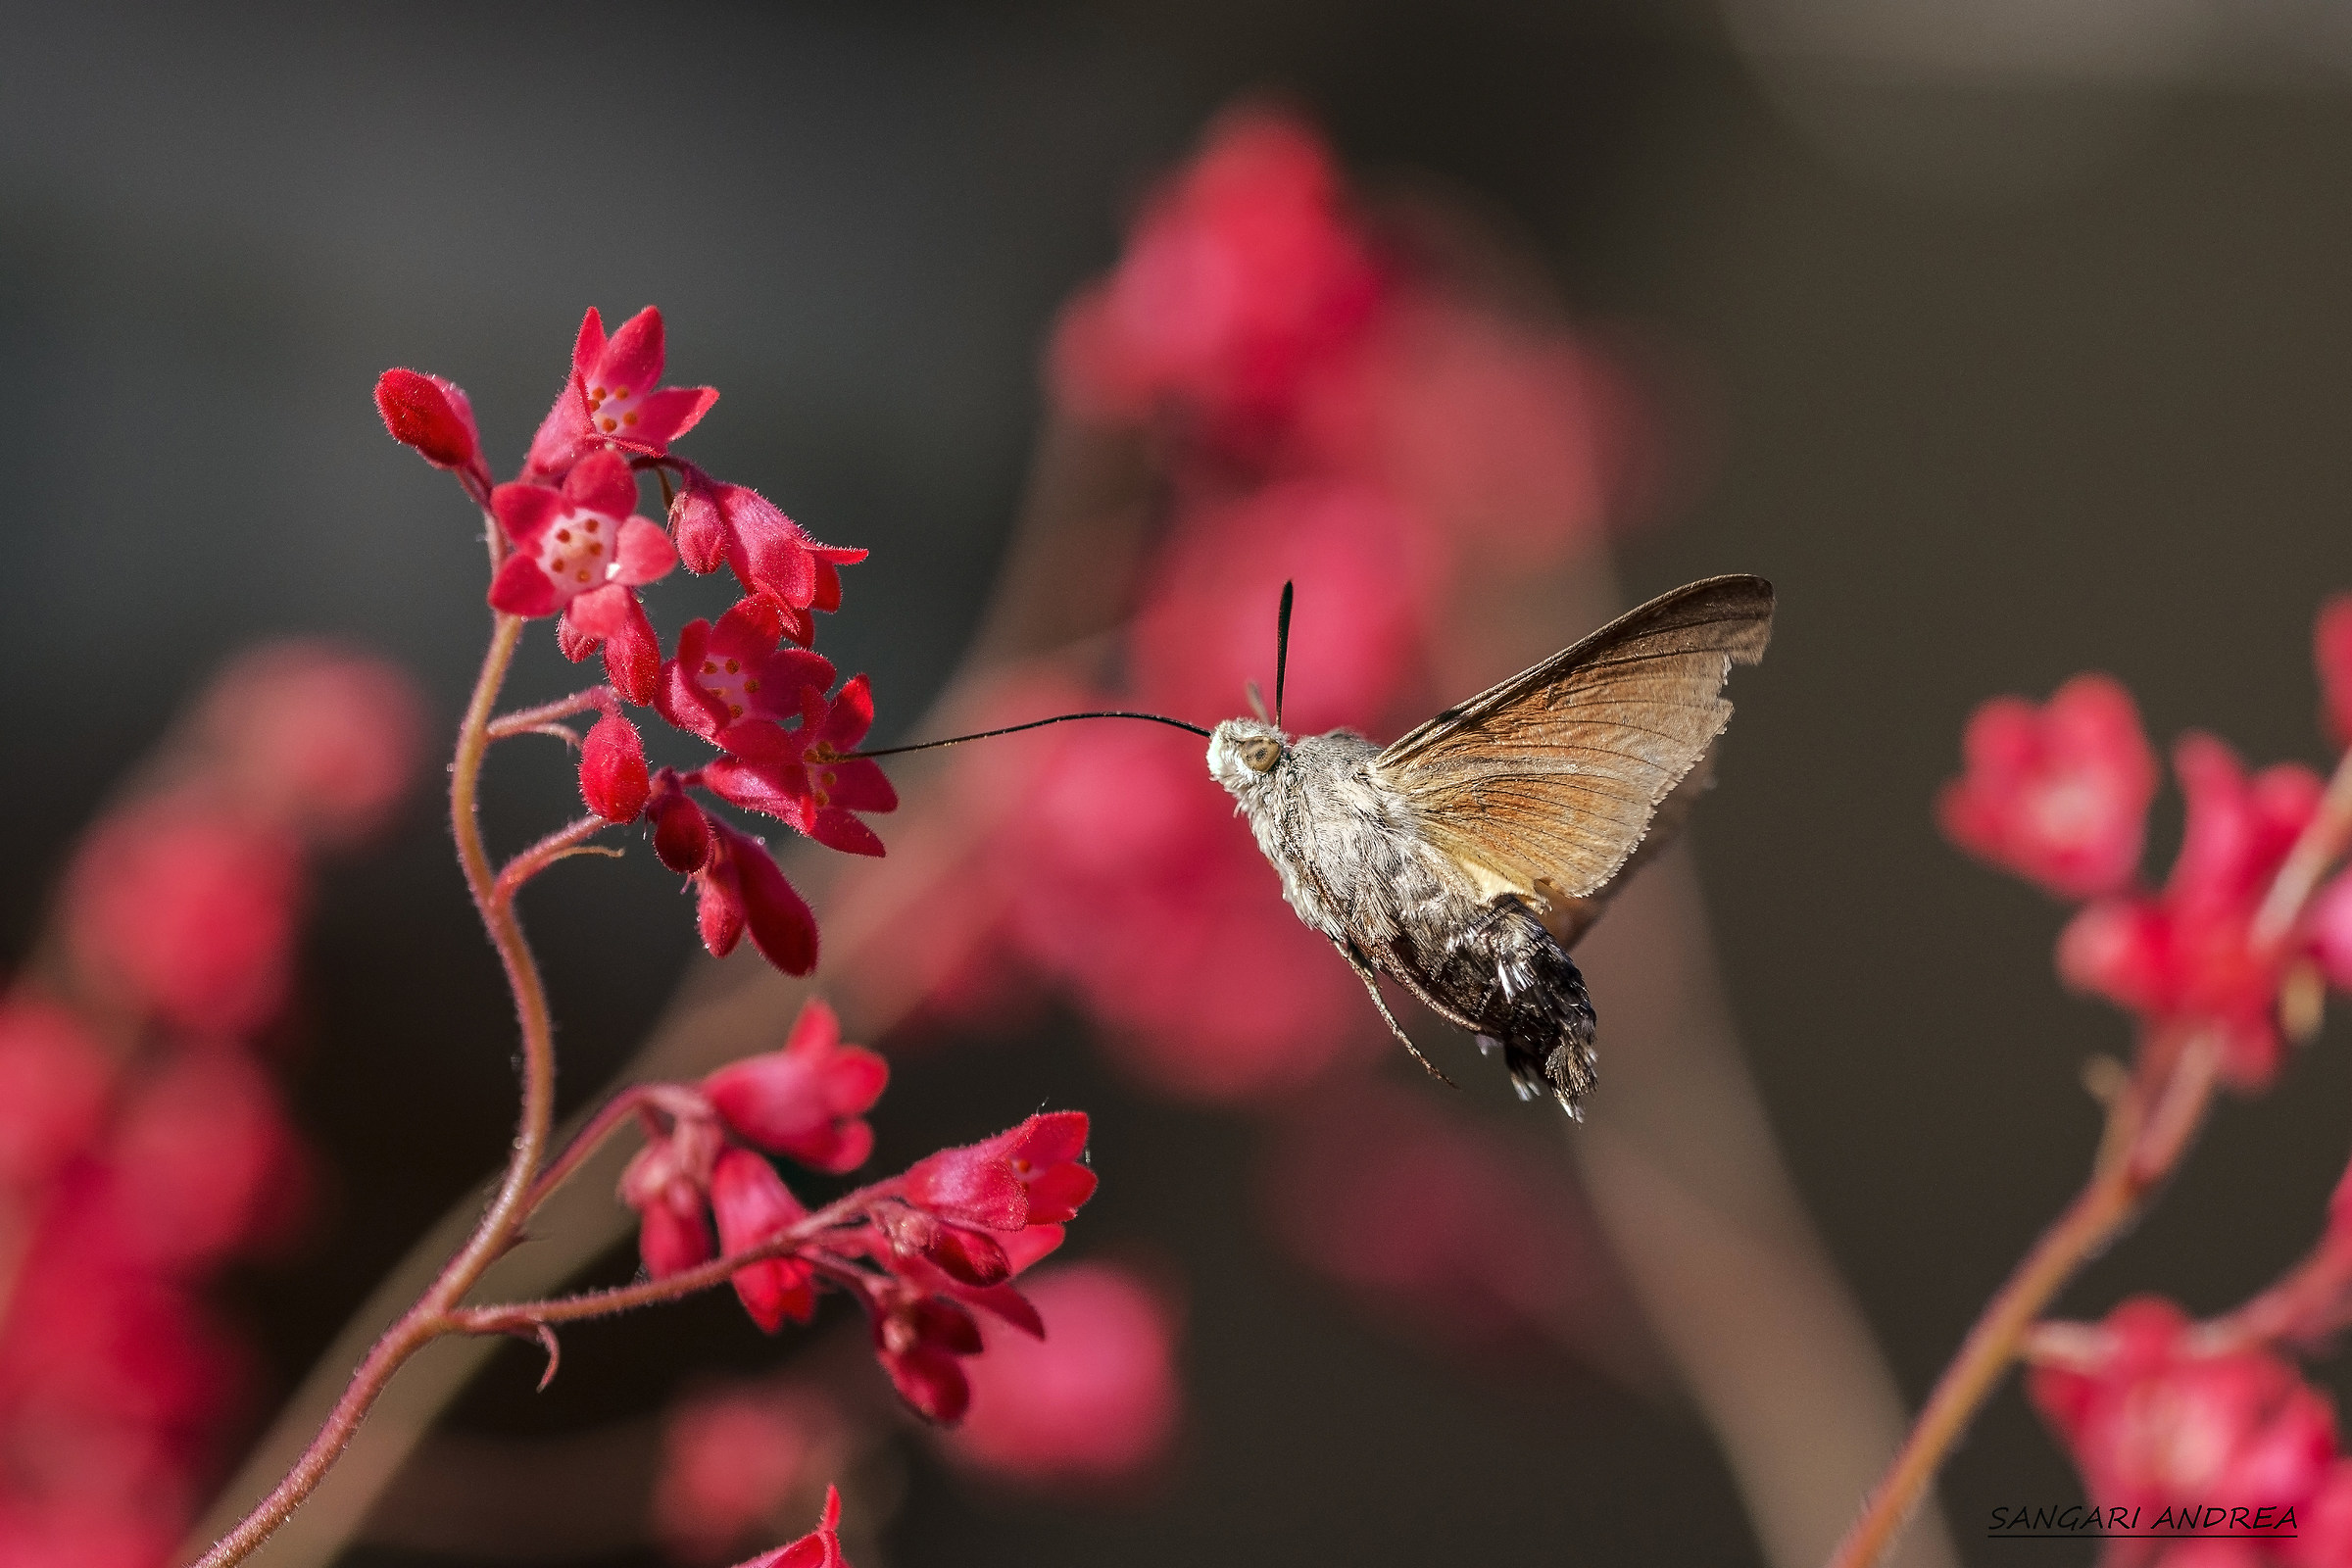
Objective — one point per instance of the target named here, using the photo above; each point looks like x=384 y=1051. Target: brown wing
x=1549 y=780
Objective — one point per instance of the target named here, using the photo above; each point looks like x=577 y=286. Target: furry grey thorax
x=1356 y=868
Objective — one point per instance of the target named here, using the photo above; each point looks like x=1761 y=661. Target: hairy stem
x=516 y=1316
x=2148 y=1128
x=541 y=720
x=495 y=1231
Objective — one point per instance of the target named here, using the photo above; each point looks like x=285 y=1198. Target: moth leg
x=1364 y=972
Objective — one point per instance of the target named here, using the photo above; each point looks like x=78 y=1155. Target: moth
x=1466 y=859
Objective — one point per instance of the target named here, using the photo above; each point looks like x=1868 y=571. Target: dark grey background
x=2010 y=375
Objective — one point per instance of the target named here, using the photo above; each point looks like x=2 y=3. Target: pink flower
x=771 y=555
x=315 y=737
x=203 y=1164
x=741 y=888
x=187 y=913
x=1515 y=443
x=752 y=1205
x=808 y=1101
x=1029 y=1175
x=579 y=552
x=921 y=1341
x=434 y=417
x=735 y=672
x=2059 y=794
x=805 y=777
x=611 y=397
x=1096 y=1400
x=1243 y=273
x=2332 y=649
x=613 y=780
x=730 y=1458
x=2187 y=954
x=819 y=1549
x=53 y=1084
x=2152 y=1424
x=667 y=1183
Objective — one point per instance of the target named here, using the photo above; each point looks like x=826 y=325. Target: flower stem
x=431 y=1315
x=2148 y=1128
x=517 y=1317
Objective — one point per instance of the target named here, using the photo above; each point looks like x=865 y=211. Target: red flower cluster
x=576 y=549
x=2060 y=793
x=142 y=1147
x=1327 y=408
x=919 y=1252
x=2156 y=1426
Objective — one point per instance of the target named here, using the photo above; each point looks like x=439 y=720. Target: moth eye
x=1260 y=754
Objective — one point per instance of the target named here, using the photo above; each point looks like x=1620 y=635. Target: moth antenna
x=1282 y=666
x=1258 y=699
x=1015 y=730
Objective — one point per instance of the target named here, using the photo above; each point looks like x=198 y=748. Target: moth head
x=1243 y=753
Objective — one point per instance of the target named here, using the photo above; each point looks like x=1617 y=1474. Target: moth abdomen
x=1518 y=987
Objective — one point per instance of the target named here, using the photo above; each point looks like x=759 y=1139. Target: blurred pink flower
x=2187 y=953
x=187 y=914
x=314 y=737
x=730 y=1459
x=2150 y=1424
x=55 y=1082
x=1368 y=579
x=2331 y=651
x=1390 y=1193
x=1243 y=270
x=2058 y=794
x=1098 y=1399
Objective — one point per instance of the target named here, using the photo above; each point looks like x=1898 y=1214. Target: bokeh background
x=2009 y=340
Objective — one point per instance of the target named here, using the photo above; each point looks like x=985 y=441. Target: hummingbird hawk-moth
x=1464 y=861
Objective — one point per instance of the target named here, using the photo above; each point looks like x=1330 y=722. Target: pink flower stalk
x=2152 y=1424
x=186 y=914
x=579 y=552
x=771 y=555
x=1099 y=1399
x=434 y=417
x=612 y=400
x=808 y=1101
x=732 y=1458
x=1243 y=273
x=819 y=1549
x=2057 y=794
x=2187 y=953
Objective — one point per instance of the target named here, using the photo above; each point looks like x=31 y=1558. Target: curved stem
x=2146 y=1133
x=563 y=841
x=431 y=1315
x=542 y=718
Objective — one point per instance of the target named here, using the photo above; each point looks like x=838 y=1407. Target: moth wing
x=1549 y=780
